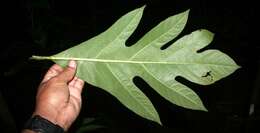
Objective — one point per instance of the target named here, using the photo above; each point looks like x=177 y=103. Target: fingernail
x=72 y=64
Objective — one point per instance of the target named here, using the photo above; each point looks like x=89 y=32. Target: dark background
x=45 y=27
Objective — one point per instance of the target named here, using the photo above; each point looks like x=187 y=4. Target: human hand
x=59 y=95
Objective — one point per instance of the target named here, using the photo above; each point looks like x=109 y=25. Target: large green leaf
x=104 y=61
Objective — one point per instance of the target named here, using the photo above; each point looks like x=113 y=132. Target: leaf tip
x=201 y=107
x=155 y=119
x=143 y=7
x=185 y=14
x=207 y=32
x=204 y=109
x=187 y=11
x=238 y=67
x=208 y=35
x=159 y=122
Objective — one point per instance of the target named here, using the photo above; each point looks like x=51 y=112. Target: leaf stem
x=34 y=57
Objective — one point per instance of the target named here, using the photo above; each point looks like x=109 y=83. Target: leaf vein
x=131 y=58
x=134 y=97
x=146 y=69
x=122 y=32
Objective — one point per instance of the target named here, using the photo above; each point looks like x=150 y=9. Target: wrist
x=39 y=124
x=54 y=117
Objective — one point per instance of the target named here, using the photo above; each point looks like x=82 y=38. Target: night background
x=46 y=27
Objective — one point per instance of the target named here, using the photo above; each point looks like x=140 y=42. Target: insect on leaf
x=105 y=61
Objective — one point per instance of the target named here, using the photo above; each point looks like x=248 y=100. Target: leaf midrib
x=128 y=61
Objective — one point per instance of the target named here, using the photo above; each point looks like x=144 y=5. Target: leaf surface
x=104 y=61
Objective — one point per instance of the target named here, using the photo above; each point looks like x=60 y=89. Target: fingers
x=52 y=72
x=75 y=87
x=69 y=72
x=77 y=83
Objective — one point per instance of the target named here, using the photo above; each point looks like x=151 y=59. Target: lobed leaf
x=104 y=61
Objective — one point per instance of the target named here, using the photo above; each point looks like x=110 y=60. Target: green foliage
x=104 y=61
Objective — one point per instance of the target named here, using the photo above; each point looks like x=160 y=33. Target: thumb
x=69 y=72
